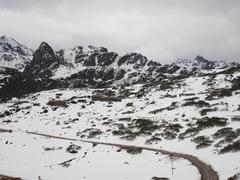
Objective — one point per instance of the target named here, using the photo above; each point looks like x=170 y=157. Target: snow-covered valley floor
x=155 y=118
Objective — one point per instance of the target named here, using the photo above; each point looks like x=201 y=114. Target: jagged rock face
x=106 y=59
x=203 y=63
x=135 y=59
x=98 y=67
x=7 y=74
x=44 y=62
x=102 y=68
x=13 y=54
x=92 y=77
x=153 y=63
x=19 y=86
x=92 y=56
x=99 y=57
x=91 y=67
x=200 y=63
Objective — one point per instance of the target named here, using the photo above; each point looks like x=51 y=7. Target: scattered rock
x=94 y=133
x=134 y=150
x=169 y=108
x=169 y=135
x=223 y=132
x=153 y=140
x=198 y=104
x=202 y=141
x=159 y=178
x=6 y=113
x=73 y=148
x=3 y=177
x=129 y=104
x=236 y=118
x=119 y=150
x=234 y=147
x=124 y=119
x=51 y=148
x=106 y=98
x=204 y=112
x=235 y=177
x=207 y=122
x=190 y=132
x=45 y=111
x=5 y=130
x=129 y=137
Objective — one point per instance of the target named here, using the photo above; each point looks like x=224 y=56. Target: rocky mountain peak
x=201 y=59
x=135 y=59
x=44 y=45
x=45 y=50
x=200 y=63
x=44 y=62
x=99 y=67
x=189 y=62
x=8 y=44
x=5 y=39
x=13 y=54
x=97 y=49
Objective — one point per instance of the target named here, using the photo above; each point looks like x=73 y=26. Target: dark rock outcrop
x=44 y=62
x=92 y=67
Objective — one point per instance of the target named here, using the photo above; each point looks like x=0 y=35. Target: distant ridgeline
x=24 y=71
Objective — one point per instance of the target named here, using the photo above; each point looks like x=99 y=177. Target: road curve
x=206 y=171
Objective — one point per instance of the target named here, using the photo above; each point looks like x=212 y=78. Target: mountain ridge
x=96 y=67
x=189 y=106
x=14 y=54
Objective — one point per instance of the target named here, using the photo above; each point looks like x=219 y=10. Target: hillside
x=189 y=106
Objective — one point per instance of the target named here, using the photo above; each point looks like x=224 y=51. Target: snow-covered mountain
x=201 y=64
x=44 y=62
x=197 y=115
x=190 y=106
x=66 y=62
x=93 y=66
x=89 y=67
x=13 y=54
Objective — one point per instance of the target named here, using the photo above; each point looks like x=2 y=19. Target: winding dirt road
x=206 y=171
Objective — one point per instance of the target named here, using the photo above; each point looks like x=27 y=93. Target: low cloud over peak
x=162 y=30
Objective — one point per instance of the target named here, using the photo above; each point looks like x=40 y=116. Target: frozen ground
x=168 y=116
x=27 y=158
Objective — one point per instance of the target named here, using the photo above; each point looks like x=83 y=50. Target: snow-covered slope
x=197 y=115
x=190 y=106
x=78 y=59
x=201 y=64
x=97 y=66
x=104 y=66
x=13 y=54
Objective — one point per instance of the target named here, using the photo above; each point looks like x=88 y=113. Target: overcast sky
x=163 y=30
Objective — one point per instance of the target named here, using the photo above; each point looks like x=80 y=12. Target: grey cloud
x=160 y=29
x=203 y=6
